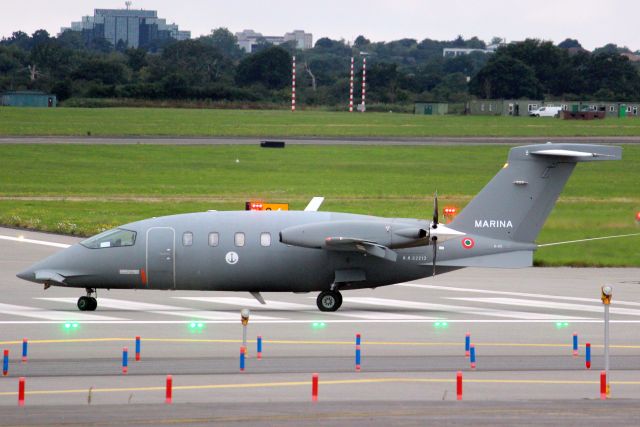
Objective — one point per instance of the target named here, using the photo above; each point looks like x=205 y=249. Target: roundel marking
x=468 y=243
x=232 y=258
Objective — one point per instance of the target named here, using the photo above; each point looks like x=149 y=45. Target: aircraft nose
x=28 y=274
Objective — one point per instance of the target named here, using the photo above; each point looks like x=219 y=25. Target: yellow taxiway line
x=321 y=382
x=309 y=342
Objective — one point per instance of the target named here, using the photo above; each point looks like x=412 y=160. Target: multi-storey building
x=135 y=28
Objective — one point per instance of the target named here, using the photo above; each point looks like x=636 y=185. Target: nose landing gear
x=329 y=300
x=88 y=303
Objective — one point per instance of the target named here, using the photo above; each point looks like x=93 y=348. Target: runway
x=150 y=140
x=520 y=321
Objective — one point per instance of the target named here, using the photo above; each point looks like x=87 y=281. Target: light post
x=606 y=295
x=244 y=318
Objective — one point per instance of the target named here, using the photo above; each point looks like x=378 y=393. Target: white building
x=248 y=39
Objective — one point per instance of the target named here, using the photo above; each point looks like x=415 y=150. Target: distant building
x=431 y=108
x=522 y=107
x=27 y=99
x=303 y=40
x=136 y=28
x=458 y=51
x=248 y=40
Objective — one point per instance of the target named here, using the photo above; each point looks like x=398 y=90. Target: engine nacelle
x=392 y=235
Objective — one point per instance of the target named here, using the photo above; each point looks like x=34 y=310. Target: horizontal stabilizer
x=52 y=276
x=577 y=152
x=517 y=259
x=362 y=246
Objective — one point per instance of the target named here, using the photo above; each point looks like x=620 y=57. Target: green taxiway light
x=440 y=325
x=196 y=325
x=318 y=325
x=71 y=325
x=560 y=325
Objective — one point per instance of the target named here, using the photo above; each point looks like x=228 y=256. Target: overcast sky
x=593 y=23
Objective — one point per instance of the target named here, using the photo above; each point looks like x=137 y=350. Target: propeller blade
x=435 y=251
x=435 y=211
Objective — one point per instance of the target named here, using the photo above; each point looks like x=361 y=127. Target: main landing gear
x=329 y=300
x=88 y=303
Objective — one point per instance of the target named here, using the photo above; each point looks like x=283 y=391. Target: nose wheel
x=329 y=300
x=88 y=303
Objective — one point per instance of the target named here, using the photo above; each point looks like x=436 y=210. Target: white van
x=546 y=112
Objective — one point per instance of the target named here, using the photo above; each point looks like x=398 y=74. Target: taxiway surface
x=521 y=322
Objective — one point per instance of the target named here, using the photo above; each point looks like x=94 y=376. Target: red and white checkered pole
x=293 y=85
x=351 y=88
x=364 y=82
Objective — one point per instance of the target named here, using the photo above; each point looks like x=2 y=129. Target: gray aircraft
x=306 y=251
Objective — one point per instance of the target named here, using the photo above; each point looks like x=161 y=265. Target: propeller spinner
x=439 y=232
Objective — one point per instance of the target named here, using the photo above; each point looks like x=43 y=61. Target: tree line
x=213 y=67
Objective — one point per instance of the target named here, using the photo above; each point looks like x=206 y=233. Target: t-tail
x=509 y=212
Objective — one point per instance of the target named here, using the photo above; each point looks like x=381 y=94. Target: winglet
x=314 y=204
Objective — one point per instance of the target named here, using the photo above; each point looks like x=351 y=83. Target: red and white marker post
x=364 y=83
x=293 y=85
x=351 y=88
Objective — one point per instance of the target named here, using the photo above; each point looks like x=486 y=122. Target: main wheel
x=329 y=300
x=87 y=304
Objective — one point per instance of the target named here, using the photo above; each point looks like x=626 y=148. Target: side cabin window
x=265 y=239
x=187 y=238
x=239 y=239
x=214 y=239
x=111 y=239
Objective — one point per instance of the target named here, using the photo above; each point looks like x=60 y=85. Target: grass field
x=261 y=123
x=83 y=189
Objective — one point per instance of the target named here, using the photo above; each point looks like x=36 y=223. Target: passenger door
x=161 y=260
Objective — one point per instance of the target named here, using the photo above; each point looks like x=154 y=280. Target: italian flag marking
x=468 y=243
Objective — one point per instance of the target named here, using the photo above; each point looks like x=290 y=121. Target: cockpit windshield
x=111 y=239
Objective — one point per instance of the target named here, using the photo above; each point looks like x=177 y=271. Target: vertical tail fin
x=516 y=202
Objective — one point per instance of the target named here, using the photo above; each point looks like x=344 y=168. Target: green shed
x=431 y=108
x=27 y=99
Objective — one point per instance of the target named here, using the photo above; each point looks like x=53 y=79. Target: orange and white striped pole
x=351 y=88
x=293 y=85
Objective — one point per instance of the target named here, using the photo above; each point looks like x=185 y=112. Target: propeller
x=434 y=225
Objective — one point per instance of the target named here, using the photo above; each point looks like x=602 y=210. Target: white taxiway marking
x=306 y=309
x=305 y=321
x=39 y=313
x=551 y=304
x=163 y=309
x=250 y=302
x=36 y=242
x=518 y=294
x=458 y=309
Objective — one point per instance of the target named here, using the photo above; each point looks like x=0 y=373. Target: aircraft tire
x=329 y=300
x=87 y=304
x=84 y=304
